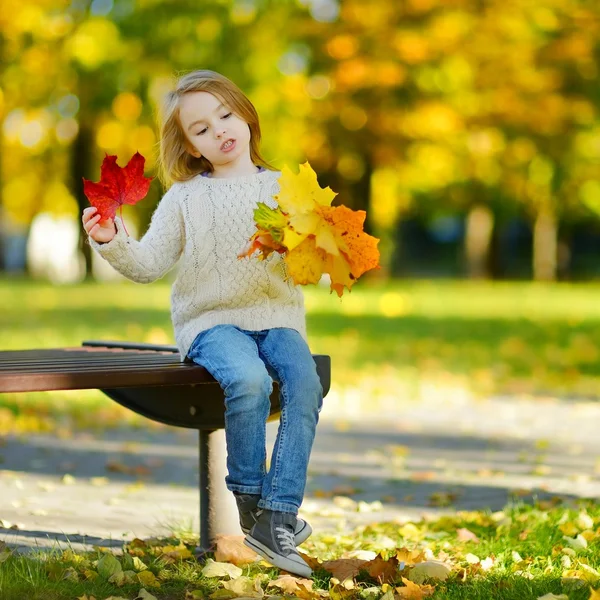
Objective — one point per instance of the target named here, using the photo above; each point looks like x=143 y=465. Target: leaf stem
x=121 y=209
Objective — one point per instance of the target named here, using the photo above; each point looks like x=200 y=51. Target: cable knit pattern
x=207 y=222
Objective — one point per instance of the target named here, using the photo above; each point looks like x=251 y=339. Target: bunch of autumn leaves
x=313 y=236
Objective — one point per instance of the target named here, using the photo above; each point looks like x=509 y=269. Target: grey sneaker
x=273 y=538
x=249 y=512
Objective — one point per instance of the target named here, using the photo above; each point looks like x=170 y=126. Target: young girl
x=243 y=320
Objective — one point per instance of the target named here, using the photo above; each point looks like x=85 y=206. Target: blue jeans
x=245 y=364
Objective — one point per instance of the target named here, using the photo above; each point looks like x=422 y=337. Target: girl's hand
x=99 y=231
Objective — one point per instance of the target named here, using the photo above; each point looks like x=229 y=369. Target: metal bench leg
x=218 y=511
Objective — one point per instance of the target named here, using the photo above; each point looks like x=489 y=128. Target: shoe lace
x=286 y=538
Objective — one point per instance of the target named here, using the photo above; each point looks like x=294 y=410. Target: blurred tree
x=479 y=109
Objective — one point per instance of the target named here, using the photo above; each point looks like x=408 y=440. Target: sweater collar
x=241 y=179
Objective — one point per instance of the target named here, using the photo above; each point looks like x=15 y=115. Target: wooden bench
x=152 y=381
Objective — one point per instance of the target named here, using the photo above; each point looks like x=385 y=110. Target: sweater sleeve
x=153 y=256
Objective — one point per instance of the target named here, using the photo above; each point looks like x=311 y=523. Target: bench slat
x=70 y=369
x=27 y=362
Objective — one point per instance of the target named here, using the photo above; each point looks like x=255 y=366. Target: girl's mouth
x=228 y=145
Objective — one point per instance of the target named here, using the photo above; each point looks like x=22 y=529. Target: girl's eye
x=223 y=117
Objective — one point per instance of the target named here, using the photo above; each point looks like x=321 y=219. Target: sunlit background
x=470 y=133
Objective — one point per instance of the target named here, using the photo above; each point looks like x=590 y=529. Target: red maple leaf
x=117 y=185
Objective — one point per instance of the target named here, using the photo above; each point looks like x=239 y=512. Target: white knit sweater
x=207 y=222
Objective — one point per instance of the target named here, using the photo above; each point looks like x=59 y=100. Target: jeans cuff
x=278 y=506
x=244 y=489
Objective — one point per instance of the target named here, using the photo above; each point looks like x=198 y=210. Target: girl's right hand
x=99 y=231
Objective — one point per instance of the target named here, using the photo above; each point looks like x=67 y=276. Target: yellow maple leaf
x=299 y=198
x=300 y=193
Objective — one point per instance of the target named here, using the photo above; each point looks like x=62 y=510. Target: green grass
x=388 y=342
x=522 y=551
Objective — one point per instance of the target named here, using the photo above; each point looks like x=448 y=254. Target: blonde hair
x=175 y=163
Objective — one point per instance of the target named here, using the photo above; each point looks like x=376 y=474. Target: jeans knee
x=250 y=384
x=313 y=393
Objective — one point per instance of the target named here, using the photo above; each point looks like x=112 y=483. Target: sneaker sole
x=299 y=537
x=276 y=559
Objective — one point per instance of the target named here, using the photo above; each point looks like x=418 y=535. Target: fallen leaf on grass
x=578 y=543
x=291 y=585
x=70 y=575
x=584 y=521
x=384 y=571
x=553 y=597
x=231 y=549
x=346 y=590
x=465 y=535
x=429 y=569
x=569 y=528
x=313 y=563
x=138 y=564
x=413 y=591
x=410 y=557
x=221 y=569
x=122 y=578
x=90 y=575
x=108 y=566
x=344 y=568
x=244 y=586
x=148 y=578
x=175 y=553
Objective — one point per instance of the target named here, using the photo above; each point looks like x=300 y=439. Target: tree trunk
x=545 y=244
x=478 y=238
x=361 y=200
x=361 y=192
x=82 y=149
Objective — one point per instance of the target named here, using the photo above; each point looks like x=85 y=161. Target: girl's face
x=213 y=130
